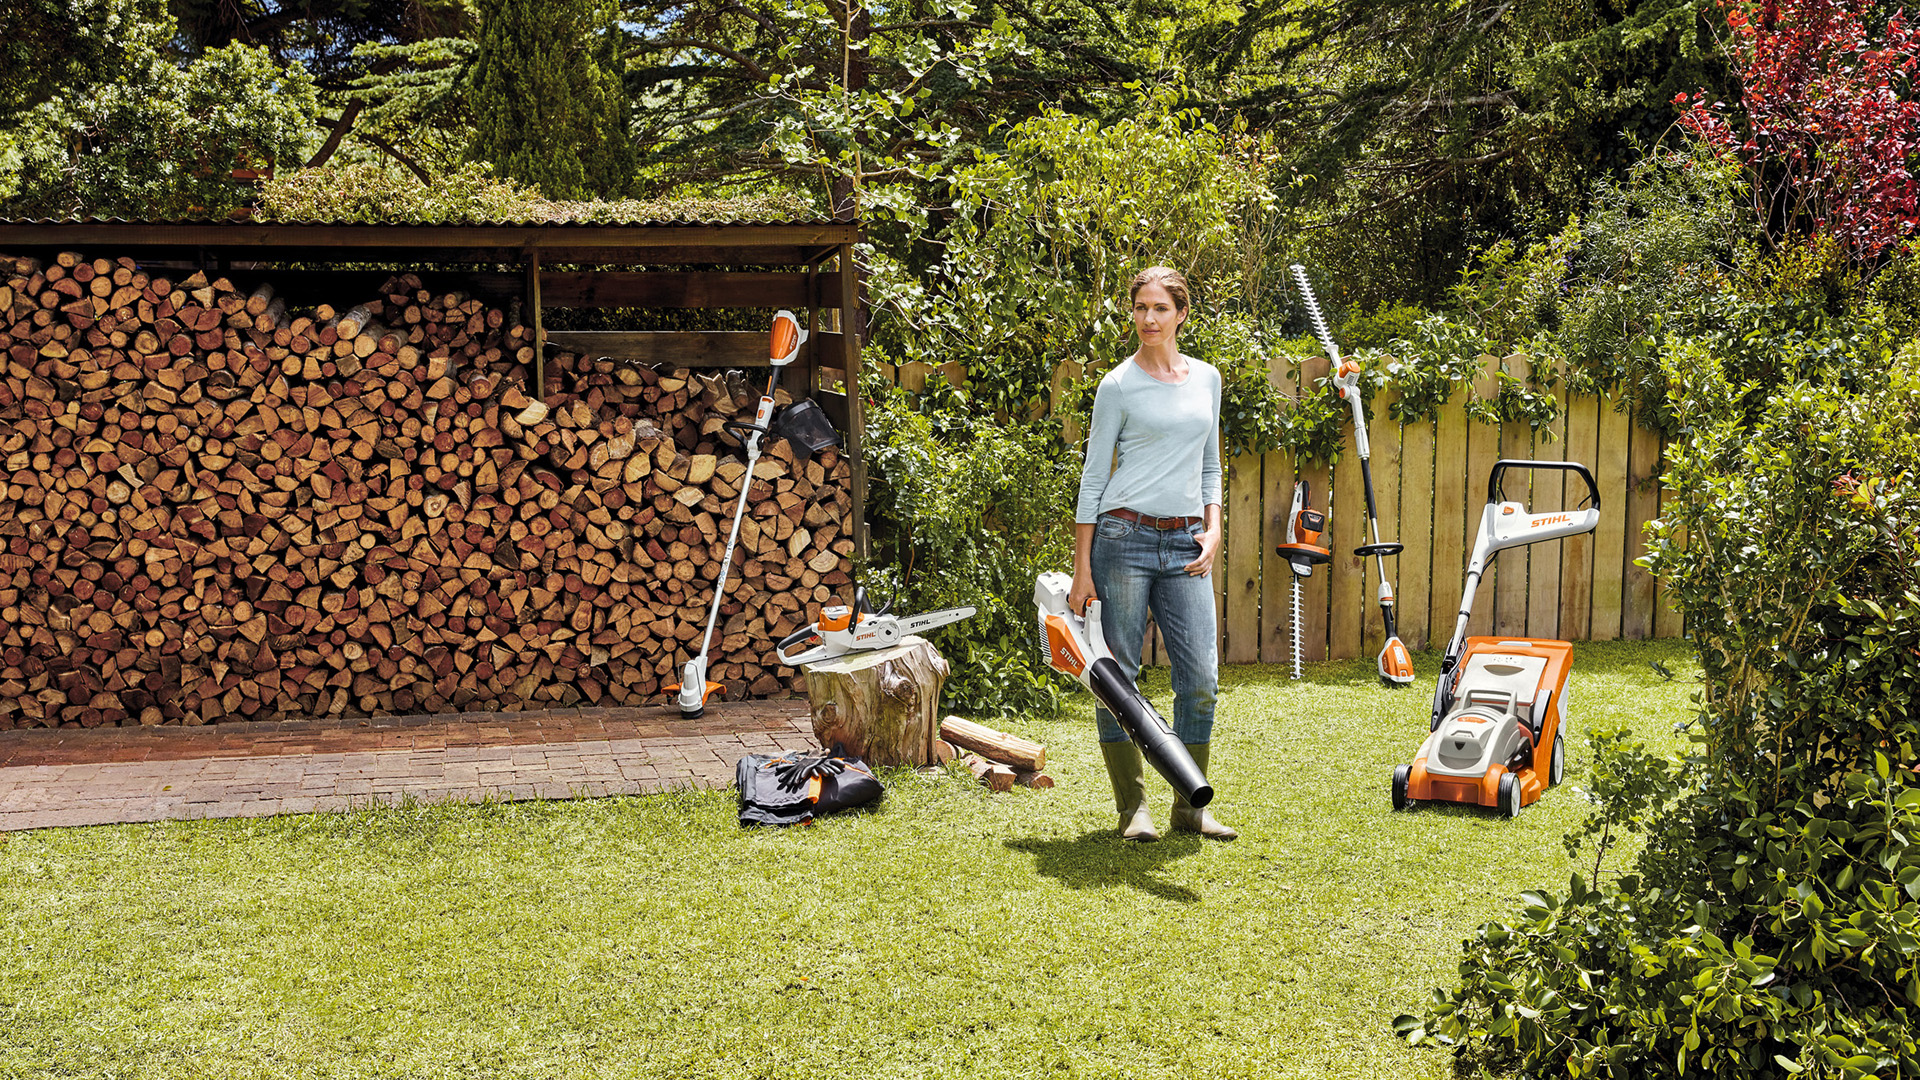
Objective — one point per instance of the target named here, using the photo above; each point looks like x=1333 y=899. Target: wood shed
x=235 y=492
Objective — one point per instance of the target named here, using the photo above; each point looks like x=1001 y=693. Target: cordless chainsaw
x=842 y=629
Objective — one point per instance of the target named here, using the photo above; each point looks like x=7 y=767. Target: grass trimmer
x=694 y=689
x=1500 y=709
x=1076 y=645
x=1396 y=668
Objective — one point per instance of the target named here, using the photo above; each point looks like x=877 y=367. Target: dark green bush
x=1772 y=925
x=970 y=512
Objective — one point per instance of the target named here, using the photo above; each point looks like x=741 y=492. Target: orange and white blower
x=1498 y=731
x=1077 y=645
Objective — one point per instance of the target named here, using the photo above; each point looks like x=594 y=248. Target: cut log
x=879 y=705
x=991 y=774
x=994 y=745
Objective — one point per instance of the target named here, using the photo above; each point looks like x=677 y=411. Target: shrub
x=971 y=512
x=1772 y=926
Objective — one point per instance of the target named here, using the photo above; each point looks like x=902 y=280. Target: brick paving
x=99 y=776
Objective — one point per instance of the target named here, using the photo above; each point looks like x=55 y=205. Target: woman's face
x=1155 y=318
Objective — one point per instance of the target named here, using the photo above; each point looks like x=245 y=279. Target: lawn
x=953 y=933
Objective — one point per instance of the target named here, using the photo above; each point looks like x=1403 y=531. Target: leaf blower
x=693 y=690
x=1077 y=645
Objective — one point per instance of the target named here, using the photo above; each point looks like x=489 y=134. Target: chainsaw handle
x=798 y=637
x=1501 y=466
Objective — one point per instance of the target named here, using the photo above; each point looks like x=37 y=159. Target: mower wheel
x=1400 y=787
x=1559 y=767
x=1509 y=796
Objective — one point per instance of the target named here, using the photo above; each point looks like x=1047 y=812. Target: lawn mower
x=1498 y=729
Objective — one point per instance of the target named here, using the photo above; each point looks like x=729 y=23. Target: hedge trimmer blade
x=1314 y=316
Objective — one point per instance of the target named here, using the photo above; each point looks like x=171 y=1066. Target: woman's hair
x=1164 y=276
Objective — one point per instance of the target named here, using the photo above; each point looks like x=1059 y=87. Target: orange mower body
x=1502 y=741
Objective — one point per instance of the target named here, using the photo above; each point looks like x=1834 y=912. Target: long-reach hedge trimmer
x=1396 y=668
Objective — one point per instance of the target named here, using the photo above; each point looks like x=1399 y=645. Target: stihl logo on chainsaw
x=1551 y=519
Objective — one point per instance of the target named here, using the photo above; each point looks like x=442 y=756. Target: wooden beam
x=856 y=416
x=681 y=348
x=683 y=289
x=539 y=326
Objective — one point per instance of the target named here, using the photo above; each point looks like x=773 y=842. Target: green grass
x=953 y=933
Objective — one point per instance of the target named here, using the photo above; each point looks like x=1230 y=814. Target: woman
x=1146 y=530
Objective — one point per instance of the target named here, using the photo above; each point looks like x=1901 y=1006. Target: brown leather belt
x=1125 y=514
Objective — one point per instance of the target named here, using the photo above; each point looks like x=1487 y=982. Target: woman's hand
x=1209 y=547
x=1081 y=592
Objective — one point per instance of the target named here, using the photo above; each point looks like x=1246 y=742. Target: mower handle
x=1493 y=479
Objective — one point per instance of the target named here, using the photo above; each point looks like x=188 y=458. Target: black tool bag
x=793 y=789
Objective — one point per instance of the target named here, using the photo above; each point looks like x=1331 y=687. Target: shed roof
x=791 y=242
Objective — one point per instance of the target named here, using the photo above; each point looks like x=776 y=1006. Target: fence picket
x=1643 y=504
x=1546 y=563
x=1239 y=564
x=1510 y=588
x=1456 y=510
x=1576 y=584
x=1483 y=449
x=1415 y=584
x=1383 y=438
x=1609 y=540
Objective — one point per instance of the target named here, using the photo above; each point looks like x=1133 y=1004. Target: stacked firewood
x=998 y=760
x=217 y=506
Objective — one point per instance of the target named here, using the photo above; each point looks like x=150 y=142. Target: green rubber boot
x=1127 y=771
x=1187 y=818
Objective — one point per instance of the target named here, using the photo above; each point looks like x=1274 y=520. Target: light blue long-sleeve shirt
x=1168 y=439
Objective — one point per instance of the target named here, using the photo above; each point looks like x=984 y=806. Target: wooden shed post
x=539 y=326
x=856 y=410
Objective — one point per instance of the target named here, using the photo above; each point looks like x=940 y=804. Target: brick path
x=101 y=776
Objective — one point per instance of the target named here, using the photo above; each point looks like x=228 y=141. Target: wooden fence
x=1430 y=483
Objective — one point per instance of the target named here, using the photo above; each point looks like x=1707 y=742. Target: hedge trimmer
x=1396 y=668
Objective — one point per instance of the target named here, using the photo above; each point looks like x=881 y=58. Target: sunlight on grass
x=952 y=933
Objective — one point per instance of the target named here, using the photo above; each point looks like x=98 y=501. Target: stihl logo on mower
x=1551 y=519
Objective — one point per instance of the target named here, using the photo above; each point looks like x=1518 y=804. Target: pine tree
x=548 y=103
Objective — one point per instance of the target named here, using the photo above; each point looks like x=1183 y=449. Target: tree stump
x=881 y=705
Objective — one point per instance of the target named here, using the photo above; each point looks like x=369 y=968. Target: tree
x=156 y=136
x=1412 y=131
x=1827 y=132
x=545 y=94
x=716 y=74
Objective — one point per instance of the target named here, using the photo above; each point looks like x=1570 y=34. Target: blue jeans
x=1136 y=570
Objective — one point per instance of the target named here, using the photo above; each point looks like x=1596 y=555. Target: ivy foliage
x=1771 y=925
